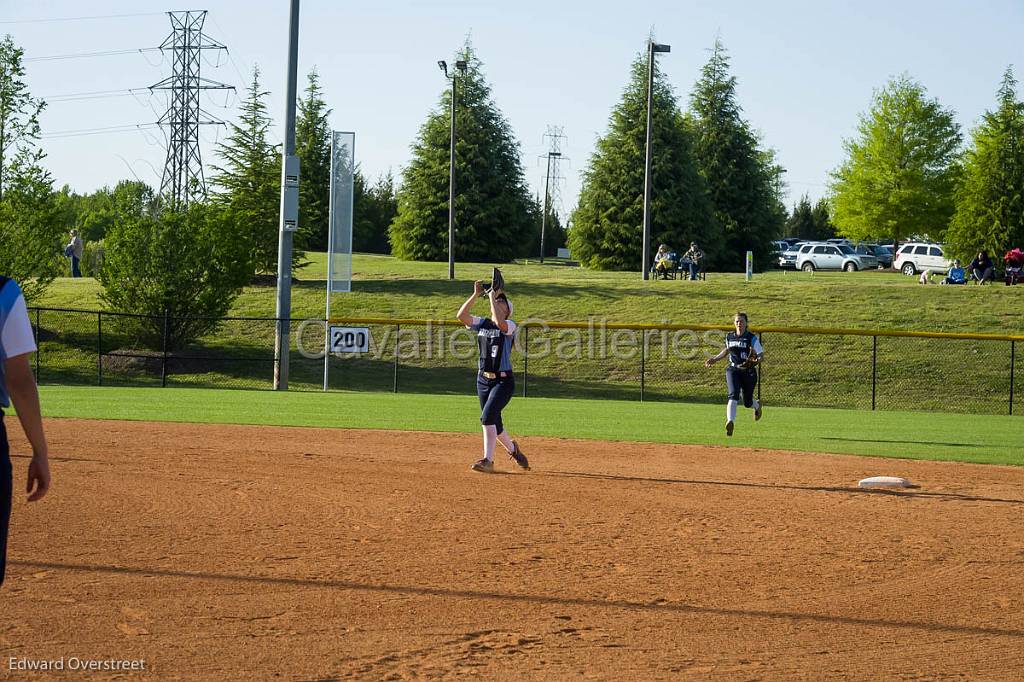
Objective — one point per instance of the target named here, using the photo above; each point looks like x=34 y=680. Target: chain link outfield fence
x=853 y=369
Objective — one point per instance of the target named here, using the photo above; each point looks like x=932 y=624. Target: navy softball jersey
x=495 y=383
x=741 y=381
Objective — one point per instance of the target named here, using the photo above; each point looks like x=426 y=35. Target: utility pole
x=652 y=47
x=183 y=181
x=460 y=66
x=547 y=203
x=289 y=211
x=555 y=134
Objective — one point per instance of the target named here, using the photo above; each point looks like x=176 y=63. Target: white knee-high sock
x=730 y=410
x=506 y=440
x=490 y=439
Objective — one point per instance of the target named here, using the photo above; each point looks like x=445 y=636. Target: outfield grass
x=964 y=438
x=386 y=287
x=803 y=370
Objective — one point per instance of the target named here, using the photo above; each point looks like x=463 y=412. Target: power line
x=98 y=94
x=109 y=53
x=99 y=131
x=99 y=16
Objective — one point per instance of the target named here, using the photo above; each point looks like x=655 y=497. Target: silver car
x=823 y=256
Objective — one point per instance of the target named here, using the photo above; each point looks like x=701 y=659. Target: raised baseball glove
x=497 y=281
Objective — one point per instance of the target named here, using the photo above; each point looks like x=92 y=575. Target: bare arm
x=712 y=360
x=497 y=314
x=22 y=387
x=464 y=315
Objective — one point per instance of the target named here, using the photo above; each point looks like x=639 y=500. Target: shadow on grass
x=655 y=606
x=905 y=442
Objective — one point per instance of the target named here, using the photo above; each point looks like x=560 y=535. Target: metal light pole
x=289 y=211
x=547 y=203
x=460 y=66
x=652 y=47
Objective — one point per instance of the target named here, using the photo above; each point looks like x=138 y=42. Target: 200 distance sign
x=350 y=340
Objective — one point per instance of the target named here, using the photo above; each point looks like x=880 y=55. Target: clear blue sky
x=805 y=69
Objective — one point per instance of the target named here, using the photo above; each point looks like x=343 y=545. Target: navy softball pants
x=741 y=381
x=6 y=492
x=494 y=395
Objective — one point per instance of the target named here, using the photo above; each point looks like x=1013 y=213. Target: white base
x=886 y=482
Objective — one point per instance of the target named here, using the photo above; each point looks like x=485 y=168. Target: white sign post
x=750 y=266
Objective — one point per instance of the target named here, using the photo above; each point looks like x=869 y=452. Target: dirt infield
x=230 y=552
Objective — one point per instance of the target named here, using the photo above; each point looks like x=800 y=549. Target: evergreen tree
x=821 y=216
x=744 y=181
x=899 y=176
x=990 y=196
x=375 y=209
x=554 y=235
x=30 y=218
x=808 y=222
x=249 y=183
x=495 y=217
x=801 y=221
x=607 y=231
x=313 y=147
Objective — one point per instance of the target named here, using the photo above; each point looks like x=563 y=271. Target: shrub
x=185 y=265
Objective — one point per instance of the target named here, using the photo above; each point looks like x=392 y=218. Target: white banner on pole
x=339 y=237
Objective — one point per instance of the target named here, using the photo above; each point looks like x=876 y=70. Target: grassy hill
x=386 y=287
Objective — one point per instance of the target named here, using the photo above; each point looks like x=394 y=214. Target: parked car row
x=841 y=254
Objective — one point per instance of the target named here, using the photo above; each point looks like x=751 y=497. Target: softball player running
x=495 y=382
x=18 y=384
x=745 y=353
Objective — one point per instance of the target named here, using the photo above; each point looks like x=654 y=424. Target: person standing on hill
x=18 y=385
x=75 y=250
x=495 y=381
x=745 y=353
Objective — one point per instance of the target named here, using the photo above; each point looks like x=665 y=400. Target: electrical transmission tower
x=183 y=180
x=552 y=193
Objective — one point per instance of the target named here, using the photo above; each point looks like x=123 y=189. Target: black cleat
x=728 y=428
x=518 y=457
x=484 y=466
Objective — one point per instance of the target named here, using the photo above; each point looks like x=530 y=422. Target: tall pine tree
x=248 y=182
x=495 y=217
x=990 y=196
x=374 y=209
x=900 y=172
x=743 y=180
x=607 y=225
x=313 y=147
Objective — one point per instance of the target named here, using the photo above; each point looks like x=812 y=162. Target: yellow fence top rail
x=597 y=325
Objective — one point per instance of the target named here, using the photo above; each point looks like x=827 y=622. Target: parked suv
x=787 y=259
x=913 y=257
x=824 y=256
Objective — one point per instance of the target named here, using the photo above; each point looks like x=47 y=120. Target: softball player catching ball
x=495 y=382
x=745 y=353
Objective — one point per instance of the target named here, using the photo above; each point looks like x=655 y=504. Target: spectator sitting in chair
x=664 y=261
x=981 y=268
x=693 y=257
x=957 y=275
